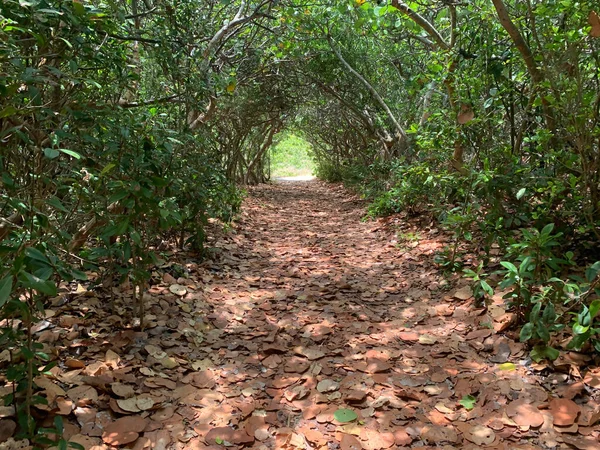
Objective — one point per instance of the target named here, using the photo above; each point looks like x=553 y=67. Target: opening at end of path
x=291 y=158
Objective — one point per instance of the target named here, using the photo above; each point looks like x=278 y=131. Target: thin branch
x=371 y=89
x=142 y=14
x=422 y=22
x=125 y=104
x=238 y=18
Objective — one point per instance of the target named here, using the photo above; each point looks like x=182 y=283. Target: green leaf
x=580 y=329
x=524 y=266
x=592 y=272
x=56 y=203
x=5 y=289
x=549 y=315
x=541 y=352
x=8 y=111
x=535 y=312
x=34 y=253
x=78 y=274
x=579 y=340
x=507 y=366
x=78 y=8
x=521 y=193
x=543 y=332
x=51 y=153
x=345 y=415
x=487 y=288
x=70 y=153
x=526 y=332
x=219 y=440
x=510 y=266
x=58 y=423
x=44 y=286
x=584 y=318
x=547 y=229
x=594 y=308
x=468 y=402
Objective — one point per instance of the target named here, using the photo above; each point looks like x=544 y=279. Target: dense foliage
x=125 y=124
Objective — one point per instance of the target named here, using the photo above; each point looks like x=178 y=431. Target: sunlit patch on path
x=296 y=178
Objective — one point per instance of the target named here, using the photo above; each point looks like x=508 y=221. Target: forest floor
x=309 y=328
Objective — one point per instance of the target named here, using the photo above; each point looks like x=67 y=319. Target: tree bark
x=537 y=76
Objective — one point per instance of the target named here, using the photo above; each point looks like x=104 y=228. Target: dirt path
x=319 y=311
x=308 y=317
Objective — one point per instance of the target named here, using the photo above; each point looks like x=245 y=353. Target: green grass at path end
x=290 y=157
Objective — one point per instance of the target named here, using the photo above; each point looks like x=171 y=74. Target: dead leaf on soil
x=564 y=411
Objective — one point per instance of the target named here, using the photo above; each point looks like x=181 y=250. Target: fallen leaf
x=464 y=293
x=7 y=429
x=122 y=390
x=435 y=434
x=178 y=290
x=123 y=431
x=427 y=339
x=564 y=411
x=112 y=359
x=349 y=442
x=310 y=353
x=524 y=414
x=129 y=404
x=327 y=385
x=480 y=435
x=345 y=415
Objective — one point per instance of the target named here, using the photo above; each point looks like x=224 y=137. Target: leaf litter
x=306 y=328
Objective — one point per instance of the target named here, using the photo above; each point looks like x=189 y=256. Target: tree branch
x=371 y=89
x=422 y=22
x=238 y=18
x=125 y=104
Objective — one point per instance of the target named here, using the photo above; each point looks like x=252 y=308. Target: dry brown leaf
x=122 y=390
x=327 y=385
x=178 y=290
x=7 y=429
x=524 y=414
x=564 y=411
x=83 y=395
x=112 y=359
x=262 y=434
x=349 y=442
x=427 y=339
x=435 y=434
x=129 y=404
x=310 y=353
x=592 y=378
x=465 y=115
x=74 y=364
x=144 y=403
x=479 y=435
x=402 y=438
x=464 y=293
x=168 y=362
x=581 y=443
x=65 y=406
x=594 y=21
x=408 y=336
x=124 y=430
x=228 y=434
